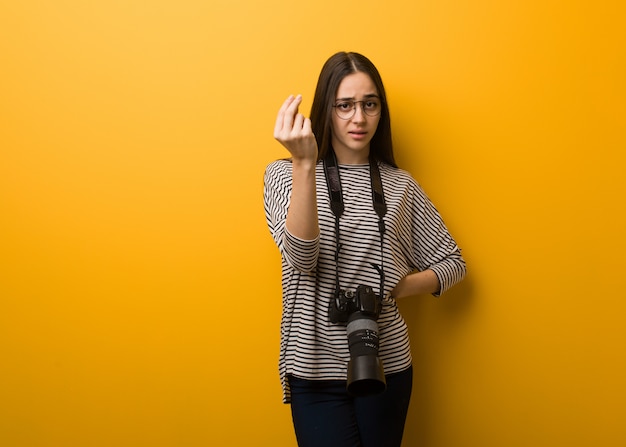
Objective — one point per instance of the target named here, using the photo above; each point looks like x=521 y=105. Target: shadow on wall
x=433 y=323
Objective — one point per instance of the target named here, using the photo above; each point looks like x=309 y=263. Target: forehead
x=356 y=85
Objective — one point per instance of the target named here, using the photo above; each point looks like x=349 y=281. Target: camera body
x=345 y=303
x=360 y=310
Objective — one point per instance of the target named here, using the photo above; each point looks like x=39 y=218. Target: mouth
x=358 y=134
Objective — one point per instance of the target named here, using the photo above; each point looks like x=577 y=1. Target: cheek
x=335 y=126
x=377 y=121
x=375 y=125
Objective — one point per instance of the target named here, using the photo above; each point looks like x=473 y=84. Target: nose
x=359 y=113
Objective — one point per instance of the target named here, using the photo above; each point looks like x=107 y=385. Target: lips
x=358 y=134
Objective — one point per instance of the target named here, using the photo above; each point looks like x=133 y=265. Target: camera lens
x=365 y=371
x=362 y=335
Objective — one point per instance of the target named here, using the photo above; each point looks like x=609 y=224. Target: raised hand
x=294 y=132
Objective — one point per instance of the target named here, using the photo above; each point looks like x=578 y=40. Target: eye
x=345 y=105
x=371 y=104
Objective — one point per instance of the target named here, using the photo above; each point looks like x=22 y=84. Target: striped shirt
x=416 y=238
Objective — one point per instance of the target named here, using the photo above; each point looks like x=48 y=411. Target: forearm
x=419 y=283
x=294 y=132
x=302 y=220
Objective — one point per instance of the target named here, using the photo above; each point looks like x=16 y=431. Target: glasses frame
x=363 y=101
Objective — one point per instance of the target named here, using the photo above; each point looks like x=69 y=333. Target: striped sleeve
x=435 y=249
x=300 y=254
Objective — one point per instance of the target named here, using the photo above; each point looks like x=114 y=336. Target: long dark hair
x=337 y=67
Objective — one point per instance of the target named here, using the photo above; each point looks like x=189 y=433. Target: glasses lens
x=371 y=107
x=345 y=109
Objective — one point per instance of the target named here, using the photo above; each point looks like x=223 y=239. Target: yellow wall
x=139 y=287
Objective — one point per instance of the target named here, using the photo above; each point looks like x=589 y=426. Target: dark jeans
x=325 y=415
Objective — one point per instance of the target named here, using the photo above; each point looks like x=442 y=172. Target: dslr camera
x=360 y=311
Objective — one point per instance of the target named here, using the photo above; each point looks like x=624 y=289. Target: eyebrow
x=371 y=95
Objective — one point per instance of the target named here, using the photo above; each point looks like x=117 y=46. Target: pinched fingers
x=293 y=130
x=286 y=115
x=289 y=122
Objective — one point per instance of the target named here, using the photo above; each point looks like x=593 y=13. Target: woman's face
x=351 y=137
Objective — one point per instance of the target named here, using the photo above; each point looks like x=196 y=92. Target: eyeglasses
x=346 y=108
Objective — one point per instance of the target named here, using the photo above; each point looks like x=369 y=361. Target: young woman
x=345 y=217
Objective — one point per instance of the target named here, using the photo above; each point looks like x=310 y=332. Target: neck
x=352 y=158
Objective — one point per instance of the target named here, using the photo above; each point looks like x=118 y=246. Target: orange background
x=139 y=286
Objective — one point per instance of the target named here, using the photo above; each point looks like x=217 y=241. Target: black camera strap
x=331 y=170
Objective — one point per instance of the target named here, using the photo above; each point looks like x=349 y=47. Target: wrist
x=303 y=163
